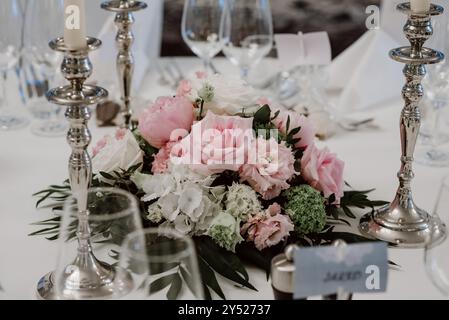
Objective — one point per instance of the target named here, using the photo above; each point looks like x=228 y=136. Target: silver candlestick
x=402 y=222
x=124 y=20
x=91 y=278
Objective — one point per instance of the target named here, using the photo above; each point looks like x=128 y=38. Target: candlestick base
x=406 y=227
x=86 y=278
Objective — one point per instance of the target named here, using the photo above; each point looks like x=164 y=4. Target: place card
x=351 y=268
x=303 y=49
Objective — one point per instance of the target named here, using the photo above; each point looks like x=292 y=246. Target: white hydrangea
x=155 y=213
x=185 y=199
x=242 y=201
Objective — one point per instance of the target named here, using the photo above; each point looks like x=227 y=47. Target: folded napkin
x=365 y=73
x=147 y=31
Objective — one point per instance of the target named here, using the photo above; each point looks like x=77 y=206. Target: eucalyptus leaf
x=162 y=283
x=175 y=287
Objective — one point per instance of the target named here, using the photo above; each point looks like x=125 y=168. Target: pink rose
x=307 y=132
x=270 y=165
x=120 y=134
x=217 y=143
x=101 y=144
x=266 y=230
x=201 y=75
x=323 y=171
x=157 y=123
x=184 y=88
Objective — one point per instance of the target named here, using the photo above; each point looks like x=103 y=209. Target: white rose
x=230 y=96
x=119 y=152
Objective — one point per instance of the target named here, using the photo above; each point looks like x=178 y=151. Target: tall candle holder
x=402 y=222
x=90 y=277
x=124 y=20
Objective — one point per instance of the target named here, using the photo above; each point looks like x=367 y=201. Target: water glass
x=173 y=272
x=247 y=33
x=90 y=247
x=436 y=251
x=201 y=25
x=11 y=19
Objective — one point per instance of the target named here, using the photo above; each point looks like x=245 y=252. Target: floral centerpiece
x=240 y=176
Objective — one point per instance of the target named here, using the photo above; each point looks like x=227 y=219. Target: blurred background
x=344 y=20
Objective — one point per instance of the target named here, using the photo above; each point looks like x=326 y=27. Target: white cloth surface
x=366 y=74
x=29 y=164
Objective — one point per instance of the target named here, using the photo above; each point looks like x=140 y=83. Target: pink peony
x=217 y=143
x=323 y=171
x=307 y=132
x=184 y=88
x=157 y=123
x=270 y=165
x=266 y=230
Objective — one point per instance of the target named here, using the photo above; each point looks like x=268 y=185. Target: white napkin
x=366 y=74
x=146 y=48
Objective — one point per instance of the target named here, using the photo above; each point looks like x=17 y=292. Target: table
x=29 y=163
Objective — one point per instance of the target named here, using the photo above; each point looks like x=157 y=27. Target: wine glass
x=201 y=24
x=436 y=251
x=11 y=19
x=247 y=33
x=430 y=151
x=172 y=264
x=90 y=264
x=42 y=63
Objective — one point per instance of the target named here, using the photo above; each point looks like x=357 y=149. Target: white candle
x=75 y=24
x=420 y=6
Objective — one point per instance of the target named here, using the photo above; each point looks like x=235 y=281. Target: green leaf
x=207 y=295
x=175 y=288
x=294 y=131
x=216 y=257
x=276 y=114
x=107 y=175
x=348 y=212
x=162 y=283
x=187 y=279
x=209 y=279
x=288 y=124
x=250 y=254
x=263 y=115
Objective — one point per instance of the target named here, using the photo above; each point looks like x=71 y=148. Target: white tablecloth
x=29 y=163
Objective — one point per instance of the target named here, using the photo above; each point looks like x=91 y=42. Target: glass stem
x=244 y=73
x=3 y=92
x=206 y=64
x=436 y=126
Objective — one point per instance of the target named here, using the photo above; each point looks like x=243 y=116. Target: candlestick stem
x=91 y=278
x=402 y=222
x=124 y=20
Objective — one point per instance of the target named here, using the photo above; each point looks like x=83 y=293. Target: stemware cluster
x=131 y=262
x=243 y=29
x=28 y=66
